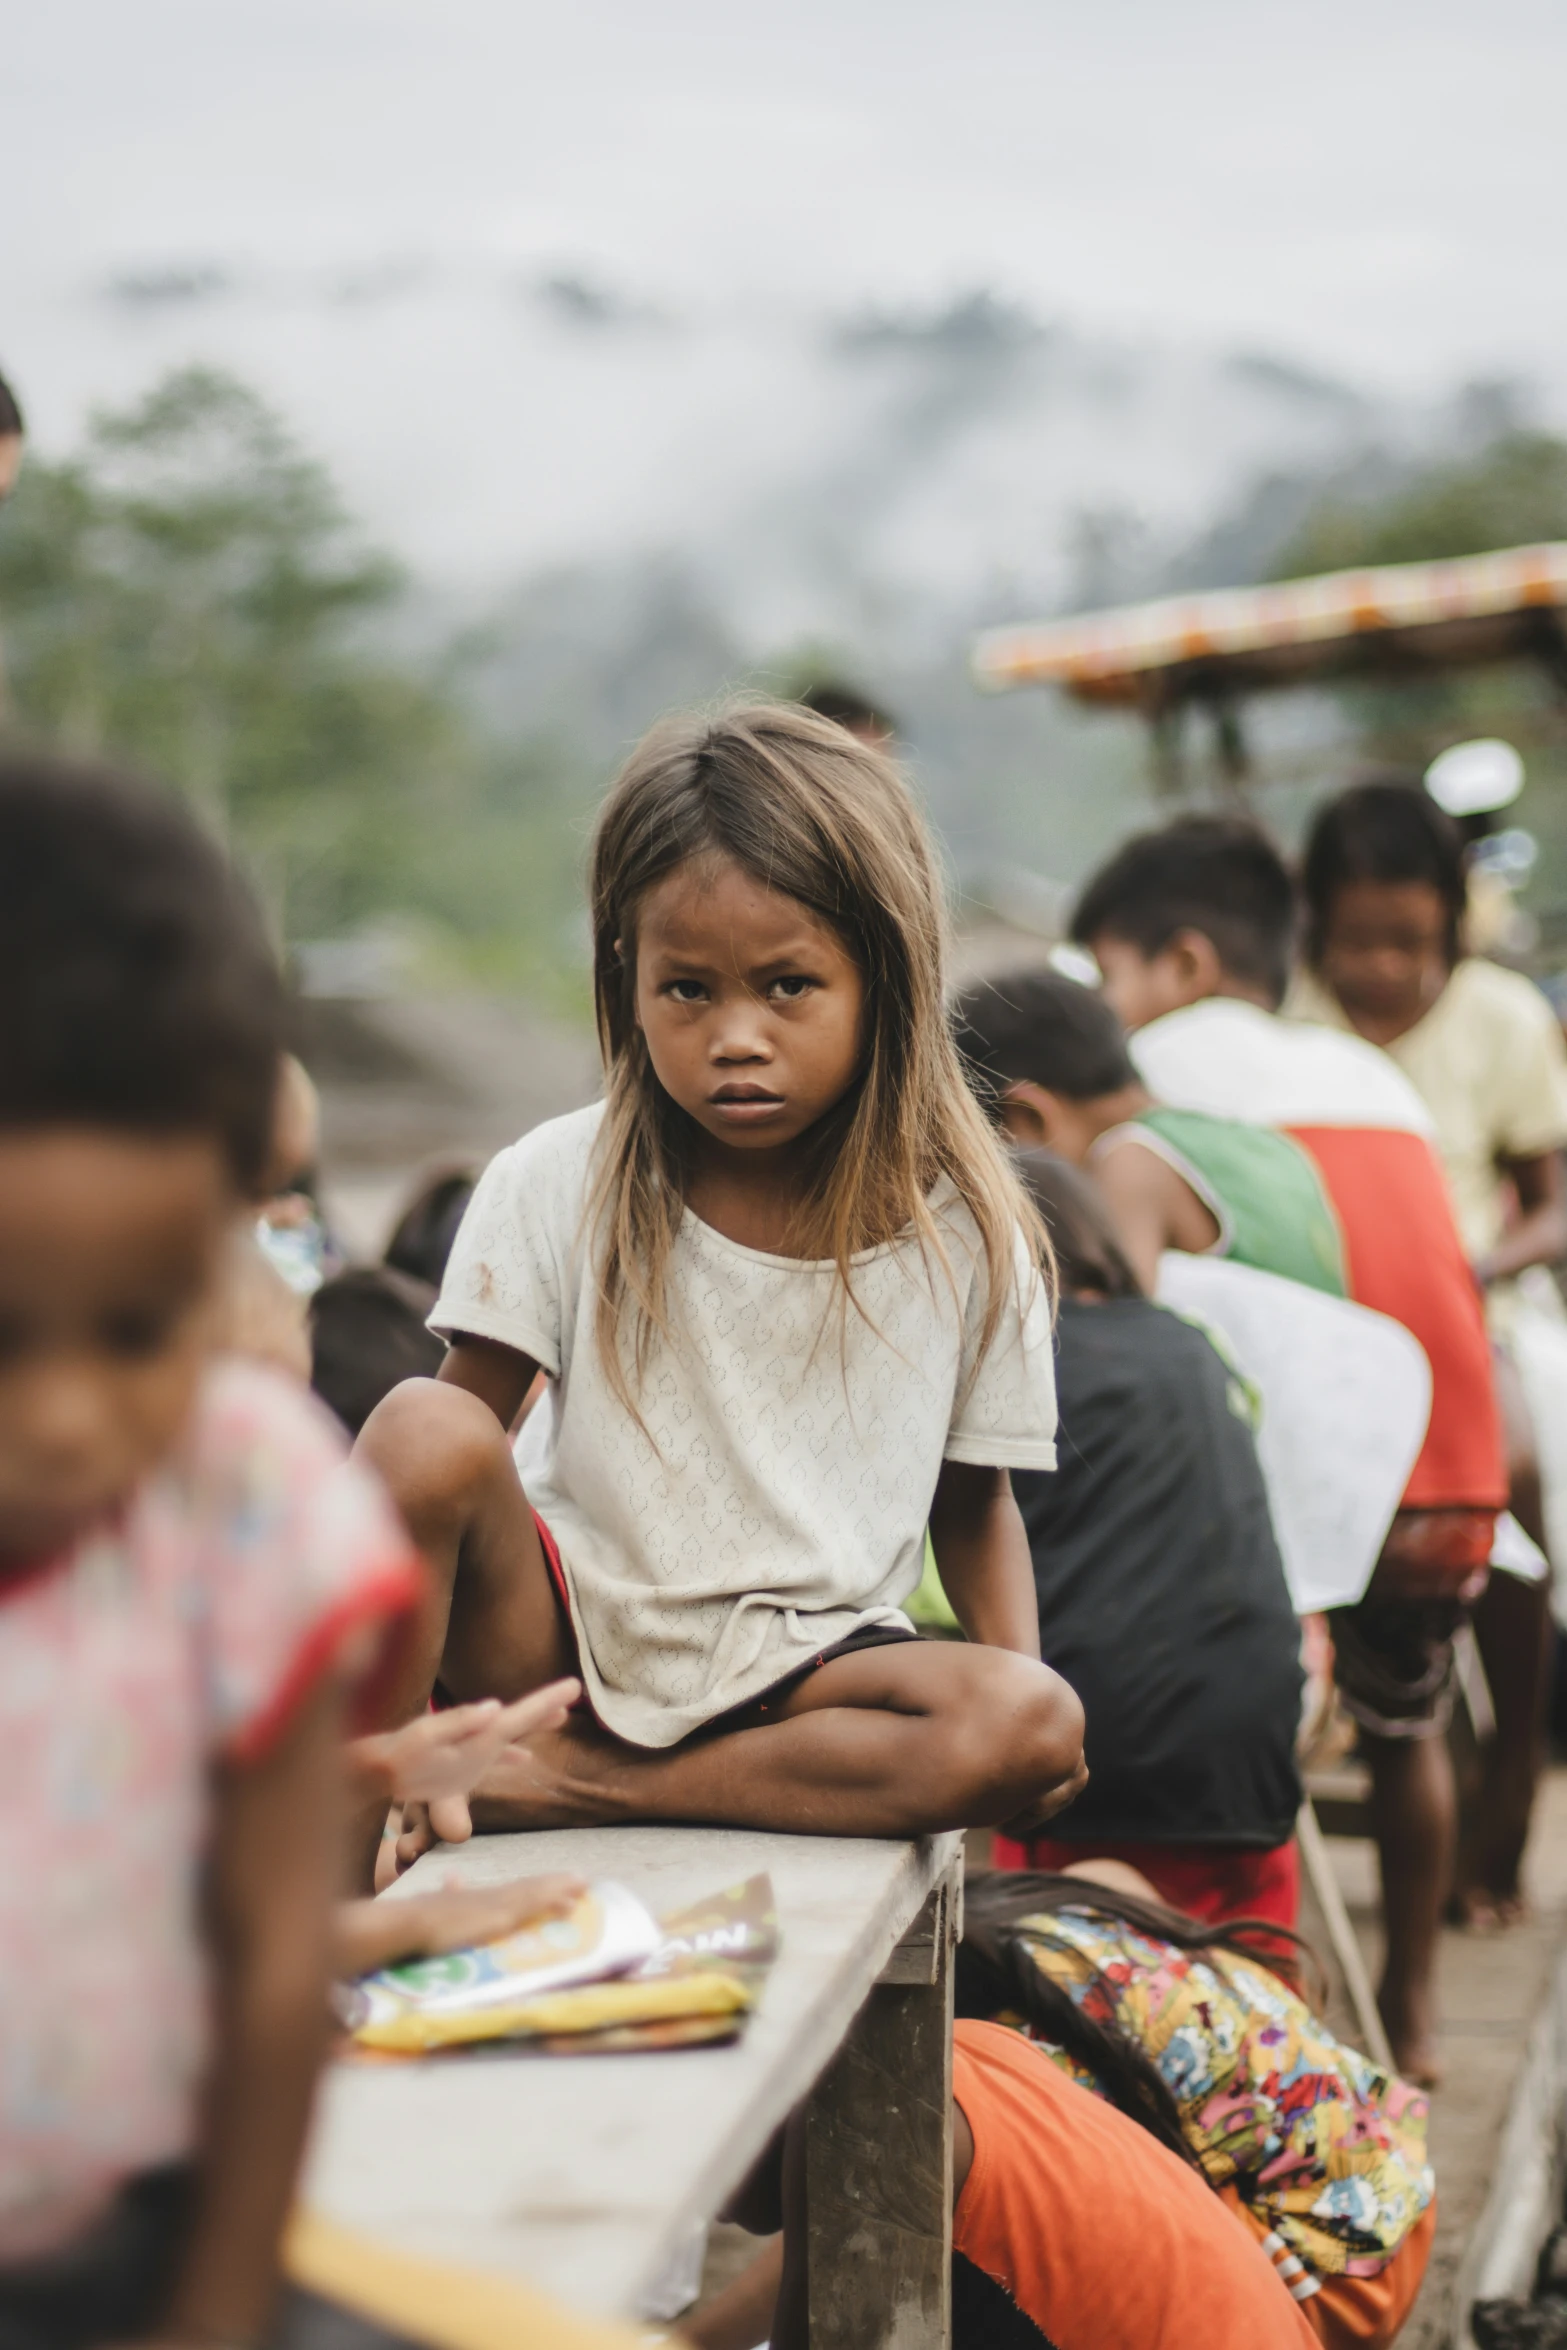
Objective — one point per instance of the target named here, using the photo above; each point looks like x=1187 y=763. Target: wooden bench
x=583 y=2176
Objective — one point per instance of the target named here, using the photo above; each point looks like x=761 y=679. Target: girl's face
x=110 y=1250
x=1384 y=951
x=752 y=1008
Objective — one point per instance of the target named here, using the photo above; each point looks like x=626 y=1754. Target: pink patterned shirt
x=184 y=1635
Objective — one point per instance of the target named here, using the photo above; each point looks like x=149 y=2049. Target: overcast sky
x=1376 y=185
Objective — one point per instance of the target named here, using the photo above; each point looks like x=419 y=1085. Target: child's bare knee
x=430 y=1441
x=1018 y=1735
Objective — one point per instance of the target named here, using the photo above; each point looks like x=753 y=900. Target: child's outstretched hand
x=371 y=1934
x=439 y=1758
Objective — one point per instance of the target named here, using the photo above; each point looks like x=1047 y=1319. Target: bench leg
x=878 y=2156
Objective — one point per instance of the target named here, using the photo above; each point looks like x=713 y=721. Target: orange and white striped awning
x=1400 y=616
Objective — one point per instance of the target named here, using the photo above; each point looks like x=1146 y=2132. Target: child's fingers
x=485 y=1913
x=455 y=1759
x=463 y=1721
x=417 y=1837
x=541 y=1709
x=386 y=1850
x=450 y=1818
x=1044 y=1807
x=443 y=1753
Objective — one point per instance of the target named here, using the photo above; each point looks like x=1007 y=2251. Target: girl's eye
x=687 y=991
x=793 y=988
x=135 y=1335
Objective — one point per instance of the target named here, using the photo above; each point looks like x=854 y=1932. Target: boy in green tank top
x=1052 y=1060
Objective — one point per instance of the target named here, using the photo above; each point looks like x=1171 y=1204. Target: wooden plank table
x=583 y=2176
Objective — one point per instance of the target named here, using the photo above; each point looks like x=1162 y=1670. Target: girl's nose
x=741 y=1040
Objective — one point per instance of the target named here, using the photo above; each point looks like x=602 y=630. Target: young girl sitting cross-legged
x=785 y=1292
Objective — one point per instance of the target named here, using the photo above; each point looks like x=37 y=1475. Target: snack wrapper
x=473 y=1994
x=603 y=1979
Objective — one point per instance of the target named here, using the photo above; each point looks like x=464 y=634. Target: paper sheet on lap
x=1345 y=1398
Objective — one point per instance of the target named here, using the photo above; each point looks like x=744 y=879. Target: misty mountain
x=630 y=505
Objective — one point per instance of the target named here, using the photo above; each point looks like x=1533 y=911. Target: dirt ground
x=1491 y=1986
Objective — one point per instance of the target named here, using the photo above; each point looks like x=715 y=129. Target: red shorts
x=1208 y=1881
x=557 y=1573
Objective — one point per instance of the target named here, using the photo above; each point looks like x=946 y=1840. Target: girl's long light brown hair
x=807 y=809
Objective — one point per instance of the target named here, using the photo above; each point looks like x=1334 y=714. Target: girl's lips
x=746 y=1109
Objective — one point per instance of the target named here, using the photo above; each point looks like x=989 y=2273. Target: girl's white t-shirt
x=778 y=1495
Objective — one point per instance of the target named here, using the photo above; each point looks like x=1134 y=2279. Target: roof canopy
x=1398 y=620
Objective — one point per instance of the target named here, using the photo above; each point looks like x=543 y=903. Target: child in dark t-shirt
x=1162 y=1597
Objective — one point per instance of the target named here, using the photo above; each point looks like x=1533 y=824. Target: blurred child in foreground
x=191 y=1580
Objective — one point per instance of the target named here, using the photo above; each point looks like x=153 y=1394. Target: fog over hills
x=643 y=500
x=821 y=466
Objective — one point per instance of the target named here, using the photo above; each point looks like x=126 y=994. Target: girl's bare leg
x=1513 y=1627
x=490 y=1624
x=896 y=1741
x=1414 y=1812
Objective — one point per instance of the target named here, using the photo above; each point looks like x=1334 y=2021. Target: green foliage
x=189 y=595
x=1511 y=495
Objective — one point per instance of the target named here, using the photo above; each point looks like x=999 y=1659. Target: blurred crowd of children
x=656 y=1419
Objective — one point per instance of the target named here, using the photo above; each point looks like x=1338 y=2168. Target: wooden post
x=879 y=2154
x=1339 y=1927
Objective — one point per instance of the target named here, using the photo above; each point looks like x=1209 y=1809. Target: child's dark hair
x=140 y=991
x=808 y=810
x=422 y=1239
x=1384 y=829
x=367 y=1334
x=1220 y=875
x=846 y=706
x=1088 y=1255
x=1041 y=1028
x=1005 y=1917
x=11 y=425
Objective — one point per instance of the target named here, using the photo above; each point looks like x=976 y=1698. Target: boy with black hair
x=190 y=1577
x=1193 y=928
x=1203 y=907
x=1052 y=1060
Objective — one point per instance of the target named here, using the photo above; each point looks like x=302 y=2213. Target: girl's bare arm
x=977 y=1533
x=498 y=1375
x=1152 y=1208
x=275 y=1863
x=1539 y=1236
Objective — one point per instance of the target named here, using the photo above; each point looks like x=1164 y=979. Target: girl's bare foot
x=1411 y=2032
x=1479 y=1910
